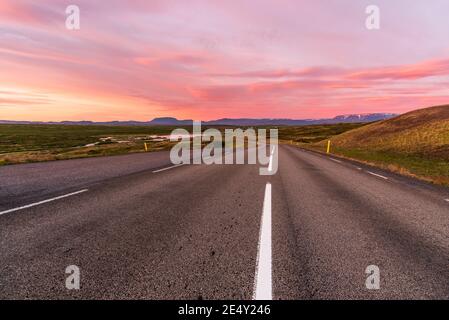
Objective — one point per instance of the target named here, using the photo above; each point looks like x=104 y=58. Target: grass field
x=414 y=144
x=314 y=133
x=35 y=143
x=32 y=143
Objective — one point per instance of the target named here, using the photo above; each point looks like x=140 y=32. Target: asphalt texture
x=193 y=232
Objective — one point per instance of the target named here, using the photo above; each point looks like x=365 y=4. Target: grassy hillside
x=416 y=143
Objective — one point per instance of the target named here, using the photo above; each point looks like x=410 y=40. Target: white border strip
x=172 y=167
x=44 y=201
x=263 y=282
x=377 y=175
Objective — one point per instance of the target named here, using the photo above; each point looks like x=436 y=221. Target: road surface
x=139 y=228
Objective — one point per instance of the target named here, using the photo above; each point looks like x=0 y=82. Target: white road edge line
x=262 y=281
x=44 y=201
x=172 y=167
x=335 y=160
x=377 y=175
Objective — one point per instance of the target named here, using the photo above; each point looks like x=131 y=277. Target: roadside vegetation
x=414 y=144
x=33 y=143
x=314 y=133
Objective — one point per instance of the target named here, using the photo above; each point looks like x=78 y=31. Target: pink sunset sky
x=136 y=59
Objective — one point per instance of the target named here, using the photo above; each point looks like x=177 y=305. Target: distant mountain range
x=168 y=121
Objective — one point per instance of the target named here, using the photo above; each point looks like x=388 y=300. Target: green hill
x=415 y=143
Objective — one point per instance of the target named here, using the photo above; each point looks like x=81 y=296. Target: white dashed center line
x=263 y=281
x=44 y=201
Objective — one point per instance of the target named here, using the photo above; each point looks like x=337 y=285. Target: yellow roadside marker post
x=146 y=147
x=328 y=146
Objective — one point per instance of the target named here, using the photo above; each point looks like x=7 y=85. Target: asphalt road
x=220 y=231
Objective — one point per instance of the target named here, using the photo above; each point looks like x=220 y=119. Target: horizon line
x=224 y=118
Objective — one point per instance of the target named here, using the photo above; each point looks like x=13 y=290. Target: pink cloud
x=206 y=59
x=29 y=13
x=411 y=72
x=307 y=72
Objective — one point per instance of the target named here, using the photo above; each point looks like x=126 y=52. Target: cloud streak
x=201 y=59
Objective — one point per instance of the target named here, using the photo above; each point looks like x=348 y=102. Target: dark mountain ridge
x=170 y=121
